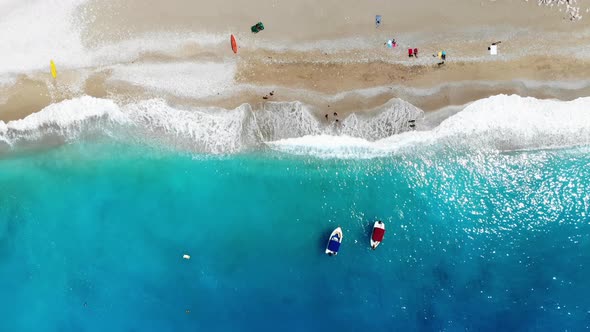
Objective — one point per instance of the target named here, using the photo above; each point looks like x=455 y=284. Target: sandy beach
x=328 y=55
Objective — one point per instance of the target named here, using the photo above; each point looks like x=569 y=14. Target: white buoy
x=185 y=256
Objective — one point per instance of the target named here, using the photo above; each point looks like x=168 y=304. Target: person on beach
x=391 y=43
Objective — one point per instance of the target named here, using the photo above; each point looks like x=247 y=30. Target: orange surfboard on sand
x=234 y=45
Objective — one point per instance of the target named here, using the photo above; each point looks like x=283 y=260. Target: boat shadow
x=323 y=238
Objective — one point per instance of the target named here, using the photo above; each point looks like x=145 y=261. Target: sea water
x=93 y=233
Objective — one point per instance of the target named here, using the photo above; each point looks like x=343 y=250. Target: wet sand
x=345 y=87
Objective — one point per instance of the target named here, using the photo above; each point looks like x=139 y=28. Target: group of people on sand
x=270 y=94
x=391 y=43
x=335 y=116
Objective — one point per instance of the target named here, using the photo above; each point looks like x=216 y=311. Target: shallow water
x=93 y=233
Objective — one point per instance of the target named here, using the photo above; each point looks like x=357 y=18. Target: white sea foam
x=34 y=31
x=184 y=79
x=328 y=146
x=509 y=122
x=166 y=43
x=64 y=121
x=498 y=123
x=203 y=130
x=7 y=80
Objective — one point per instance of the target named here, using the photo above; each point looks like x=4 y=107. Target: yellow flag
x=53 y=70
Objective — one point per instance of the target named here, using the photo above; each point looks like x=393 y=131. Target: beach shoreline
x=333 y=60
x=342 y=87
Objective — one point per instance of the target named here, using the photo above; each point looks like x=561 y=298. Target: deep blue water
x=92 y=237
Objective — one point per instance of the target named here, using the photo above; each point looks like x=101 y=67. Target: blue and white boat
x=334 y=242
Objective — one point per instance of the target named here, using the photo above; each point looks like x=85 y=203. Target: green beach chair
x=257 y=27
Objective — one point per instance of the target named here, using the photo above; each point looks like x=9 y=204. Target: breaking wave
x=498 y=123
x=199 y=130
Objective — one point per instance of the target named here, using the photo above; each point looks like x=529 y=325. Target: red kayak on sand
x=378 y=233
x=234 y=45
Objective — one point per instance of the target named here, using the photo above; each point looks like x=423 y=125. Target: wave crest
x=201 y=130
x=496 y=123
x=500 y=123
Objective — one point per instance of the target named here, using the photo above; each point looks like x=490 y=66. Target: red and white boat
x=378 y=233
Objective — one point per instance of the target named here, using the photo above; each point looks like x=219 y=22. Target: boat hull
x=377 y=235
x=334 y=242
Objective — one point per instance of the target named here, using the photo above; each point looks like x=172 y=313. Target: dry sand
x=305 y=20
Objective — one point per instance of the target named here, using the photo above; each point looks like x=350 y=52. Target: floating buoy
x=185 y=256
x=53 y=70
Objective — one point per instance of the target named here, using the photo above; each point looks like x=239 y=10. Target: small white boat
x=334 y=242
x=378 y=233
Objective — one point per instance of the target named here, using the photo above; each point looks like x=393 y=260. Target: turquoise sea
x=92 y=235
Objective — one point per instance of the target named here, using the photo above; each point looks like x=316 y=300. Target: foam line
x=499 y=123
